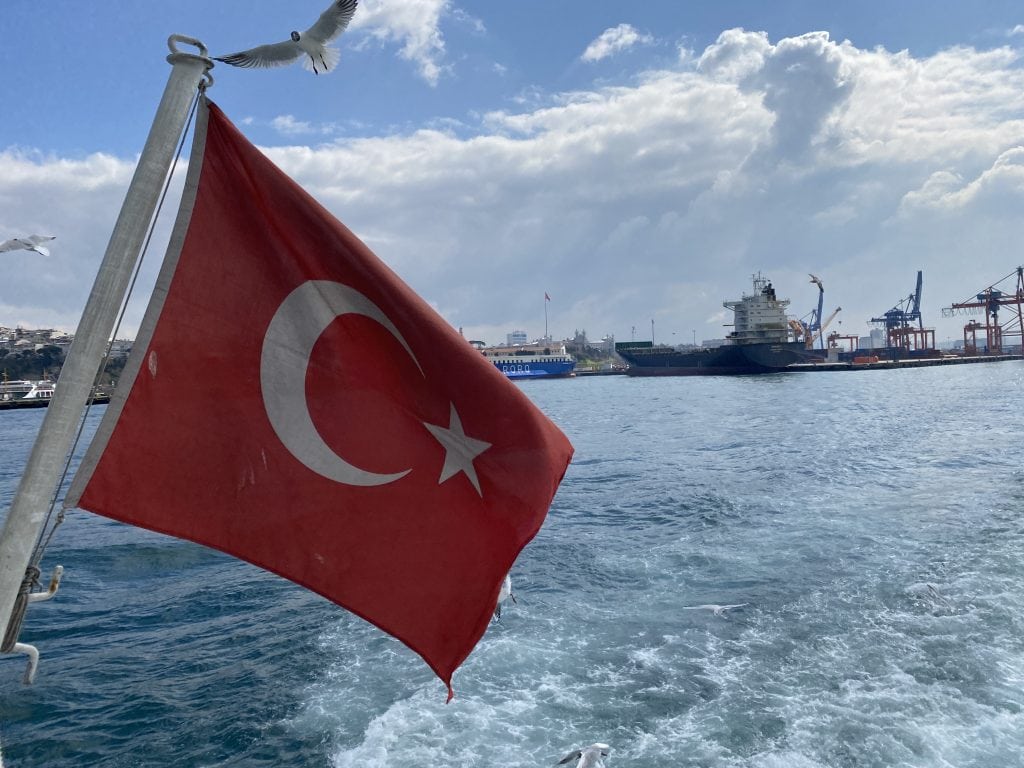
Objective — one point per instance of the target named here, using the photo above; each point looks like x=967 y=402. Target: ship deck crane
x=824 y=326
x=988 y=302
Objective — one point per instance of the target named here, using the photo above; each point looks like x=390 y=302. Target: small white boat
x=40 y=390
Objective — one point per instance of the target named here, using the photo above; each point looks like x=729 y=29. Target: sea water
x=868 y=524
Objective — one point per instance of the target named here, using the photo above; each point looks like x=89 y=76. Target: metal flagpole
x=38 y=486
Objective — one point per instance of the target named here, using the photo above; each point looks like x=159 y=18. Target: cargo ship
x=762 y=341
x=540 y=360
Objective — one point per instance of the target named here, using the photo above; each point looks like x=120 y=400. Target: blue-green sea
x=869 y=525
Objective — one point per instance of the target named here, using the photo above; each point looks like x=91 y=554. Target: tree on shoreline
x=45 y=363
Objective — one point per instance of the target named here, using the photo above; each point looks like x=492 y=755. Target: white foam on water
x=387 y=709
x=860 y=672
x=841 y=657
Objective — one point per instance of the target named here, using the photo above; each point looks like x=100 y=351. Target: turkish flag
x=292 y=402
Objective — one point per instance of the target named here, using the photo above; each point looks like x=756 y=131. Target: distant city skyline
x=633 y=163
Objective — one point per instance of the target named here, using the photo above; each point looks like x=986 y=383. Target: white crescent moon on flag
x=293 y=332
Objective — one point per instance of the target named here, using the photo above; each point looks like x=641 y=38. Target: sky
x=637 y=162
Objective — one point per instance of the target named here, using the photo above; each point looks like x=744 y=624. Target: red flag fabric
x=292 y=402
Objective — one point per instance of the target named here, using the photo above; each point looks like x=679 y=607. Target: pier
x=914 y=362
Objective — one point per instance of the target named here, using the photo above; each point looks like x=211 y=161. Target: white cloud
x=76 y=200
x=476 y=25
x=999 y=188
x=735 y=55
x=656 y=199
x=414 y=24
x=614 y=40
x=288 y=125
x=937 y=192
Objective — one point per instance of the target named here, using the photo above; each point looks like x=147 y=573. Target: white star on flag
x=460 y=450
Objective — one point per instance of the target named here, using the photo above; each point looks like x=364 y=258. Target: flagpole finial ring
x=202 y=55
x=173 y=39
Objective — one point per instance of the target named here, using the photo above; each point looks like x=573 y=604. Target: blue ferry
x=540 y=360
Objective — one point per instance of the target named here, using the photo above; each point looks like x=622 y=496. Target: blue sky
x=635 y=161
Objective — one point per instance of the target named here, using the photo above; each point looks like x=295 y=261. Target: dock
x=21 y=404
x=912 y=362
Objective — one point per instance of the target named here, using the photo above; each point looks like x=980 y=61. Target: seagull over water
x=589 y=757
x=929 y=594
x=718 y=610
x=504 y=594
x=30 y=243
x=313 y=43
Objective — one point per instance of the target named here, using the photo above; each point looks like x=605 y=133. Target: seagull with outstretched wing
x=588 y=757
x=30 y=243
x=319 y=57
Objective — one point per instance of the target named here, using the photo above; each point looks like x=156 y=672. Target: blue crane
x=904 y=313
x=812 y=329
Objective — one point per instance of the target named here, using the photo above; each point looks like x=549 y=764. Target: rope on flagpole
x=44 y=540
x=31 y=581
x=23 y=537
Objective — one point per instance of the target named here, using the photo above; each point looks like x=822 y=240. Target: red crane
x=989 y=302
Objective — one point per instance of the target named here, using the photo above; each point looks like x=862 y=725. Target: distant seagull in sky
x=30 y=243
x=504 y=594
x=589 y=757
x=313 y=42
x=718 y=610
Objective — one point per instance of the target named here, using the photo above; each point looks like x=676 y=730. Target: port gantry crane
x=898 y=322
x=988 y=302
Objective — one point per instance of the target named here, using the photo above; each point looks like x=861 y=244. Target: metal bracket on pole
x=38 y=489
x=9 y=644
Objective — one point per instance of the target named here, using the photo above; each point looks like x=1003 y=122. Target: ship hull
x=534 y=368
x=728 y=360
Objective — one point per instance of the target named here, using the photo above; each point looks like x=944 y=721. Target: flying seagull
x=589 y=757
x=30 y=243
x=718 y=610
x=313 y=42
x=504 y=594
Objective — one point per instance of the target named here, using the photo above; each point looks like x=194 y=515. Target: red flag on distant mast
x=292 y=402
